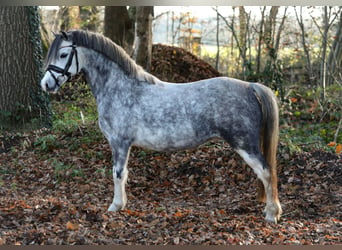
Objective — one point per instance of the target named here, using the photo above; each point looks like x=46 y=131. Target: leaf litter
x=200 y=196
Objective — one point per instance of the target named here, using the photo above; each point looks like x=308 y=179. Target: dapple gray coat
x=136 y=108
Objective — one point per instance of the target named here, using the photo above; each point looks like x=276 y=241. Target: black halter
x=65 y=71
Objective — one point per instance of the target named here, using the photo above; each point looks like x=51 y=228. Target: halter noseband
x=65 y=71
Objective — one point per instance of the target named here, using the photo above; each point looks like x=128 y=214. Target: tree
x=273 y=75
x=22 y=102
x=334 y=62
x=78 y=17
x=260 y=40
x=142 y=50
x=119 y=30
x=329 y=16
x=89 y=16
x=217 y=61
x=235 y=35
x=243 y=32
x=305 y=45
x=70 y=17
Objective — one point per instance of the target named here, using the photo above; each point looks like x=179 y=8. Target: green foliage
x=308 y=124
x=64 y=171
x=89 y=17
x=77 y=108
x=19 y=119
x=67 y=123
x=74 y=129
x=47 y=143
x=4 y=170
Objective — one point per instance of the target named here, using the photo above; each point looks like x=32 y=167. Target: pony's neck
x=103 y=74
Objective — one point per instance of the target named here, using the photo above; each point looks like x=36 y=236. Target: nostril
x=46 y=86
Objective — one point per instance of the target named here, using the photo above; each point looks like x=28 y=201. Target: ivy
x=40 y=99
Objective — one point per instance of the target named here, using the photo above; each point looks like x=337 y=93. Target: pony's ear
x=65 y=36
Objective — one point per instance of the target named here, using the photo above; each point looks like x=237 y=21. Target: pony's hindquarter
x=269 y=135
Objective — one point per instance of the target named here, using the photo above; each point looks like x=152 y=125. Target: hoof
x=273 y=213
x=272 y=219
x=114 y=208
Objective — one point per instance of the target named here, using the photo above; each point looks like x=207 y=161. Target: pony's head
x=62 y=62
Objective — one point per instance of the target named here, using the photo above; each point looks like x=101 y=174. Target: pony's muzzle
x=51 y=83
x=49 y=86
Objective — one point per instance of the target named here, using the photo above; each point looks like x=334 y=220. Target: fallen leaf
x=331 y=144
x=330 y=237
x=294 y=99
x=178 y=214
x=72 y=226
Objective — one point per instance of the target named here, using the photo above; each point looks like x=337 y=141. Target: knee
x=120 y=174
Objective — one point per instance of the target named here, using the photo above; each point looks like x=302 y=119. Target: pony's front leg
x=120 y=173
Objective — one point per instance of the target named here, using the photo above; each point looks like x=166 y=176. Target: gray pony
x=136 y=108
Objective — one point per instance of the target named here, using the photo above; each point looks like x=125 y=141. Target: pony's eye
x=64 y=55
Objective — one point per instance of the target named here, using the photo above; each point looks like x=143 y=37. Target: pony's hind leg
x=257 y=163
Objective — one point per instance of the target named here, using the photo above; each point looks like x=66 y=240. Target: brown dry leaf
x=178 y=214
x=2 y=241
x=72 y=226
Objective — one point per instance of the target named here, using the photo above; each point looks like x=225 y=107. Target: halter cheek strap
x=65 y=71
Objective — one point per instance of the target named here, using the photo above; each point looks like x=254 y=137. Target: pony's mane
x=104 y=46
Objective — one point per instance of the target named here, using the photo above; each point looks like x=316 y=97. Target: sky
x=202 y=11
x=198 y=11
x=207 y=11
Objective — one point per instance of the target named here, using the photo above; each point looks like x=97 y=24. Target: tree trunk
x=143 y=37
x=304 y=44
x=22 y=103
x=217 y=62
x=260 y=41
x=279 y=31
x=270 y=25
x=235 y=37
x=329 y=16
x=243 y=38
x=335 y=56
x=323 y=68
x=119 y=27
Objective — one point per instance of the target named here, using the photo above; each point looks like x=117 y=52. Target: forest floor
x=56 y=186
x=56 y=190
